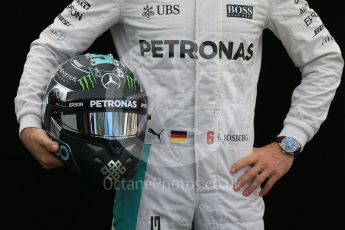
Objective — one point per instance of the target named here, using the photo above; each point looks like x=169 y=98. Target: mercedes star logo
x=110 y=80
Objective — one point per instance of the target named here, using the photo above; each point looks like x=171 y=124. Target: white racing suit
x=199 y=62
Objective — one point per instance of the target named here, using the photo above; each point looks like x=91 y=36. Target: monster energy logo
x=131 y=82
x=86 y=82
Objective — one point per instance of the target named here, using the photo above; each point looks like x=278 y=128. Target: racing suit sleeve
x=71 y=33
x=318 y=57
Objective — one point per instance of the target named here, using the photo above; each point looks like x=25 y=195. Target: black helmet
x=96 y=110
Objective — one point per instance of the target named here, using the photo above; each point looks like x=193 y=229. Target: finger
x=248 y=176
x=248 y=160
x=259 y=179
x=268 y=185
x=52 y=146
x=46 y=158
x=47 y=143
x=48 y=161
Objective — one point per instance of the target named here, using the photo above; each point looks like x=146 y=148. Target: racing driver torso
x=199 y=62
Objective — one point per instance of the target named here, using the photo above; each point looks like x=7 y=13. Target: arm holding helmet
x=314 y=51
x=64 y=38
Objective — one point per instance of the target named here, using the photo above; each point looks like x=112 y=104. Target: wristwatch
x=288 y=145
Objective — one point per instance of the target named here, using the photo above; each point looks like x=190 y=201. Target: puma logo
x=156 y=134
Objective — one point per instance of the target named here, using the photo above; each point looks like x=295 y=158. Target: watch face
x=289 y=144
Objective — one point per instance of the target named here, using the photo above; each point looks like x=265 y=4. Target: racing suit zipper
x=196 y=38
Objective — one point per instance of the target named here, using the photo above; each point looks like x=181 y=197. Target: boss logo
x=239 y=11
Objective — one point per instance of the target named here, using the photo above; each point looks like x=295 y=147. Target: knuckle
x=254 y=157
x=262 y=178
x=244 y=180
x=279 y=173
x=46 y=162
x=257 y=181
x=250 y=190
x=47 y=167
x=241 y=182
x=27 y=133
x=265 y=191
x=49 y=147
x=39 y=140
x=235 y=165
x=269 y=185
x=45 y=141
x=252 y=174
x=253 y=187
x=265 y=163
x=271 y=167
x=32 y=135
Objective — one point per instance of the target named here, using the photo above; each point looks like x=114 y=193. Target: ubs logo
x=149 y=11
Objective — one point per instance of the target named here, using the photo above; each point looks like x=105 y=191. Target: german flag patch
x=178 y=136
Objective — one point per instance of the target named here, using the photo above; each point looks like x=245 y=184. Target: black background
x=310 y=196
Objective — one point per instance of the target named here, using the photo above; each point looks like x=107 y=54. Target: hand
x=41 y=147
x=268 y=163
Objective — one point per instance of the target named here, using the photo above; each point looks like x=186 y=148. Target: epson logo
x=75 y=104
x=113 y=104
x=206 y=50
x=74 y=12
x=84 y=4
x=311 y=18
x=239 y=11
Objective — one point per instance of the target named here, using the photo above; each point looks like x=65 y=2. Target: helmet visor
x=109 y=125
